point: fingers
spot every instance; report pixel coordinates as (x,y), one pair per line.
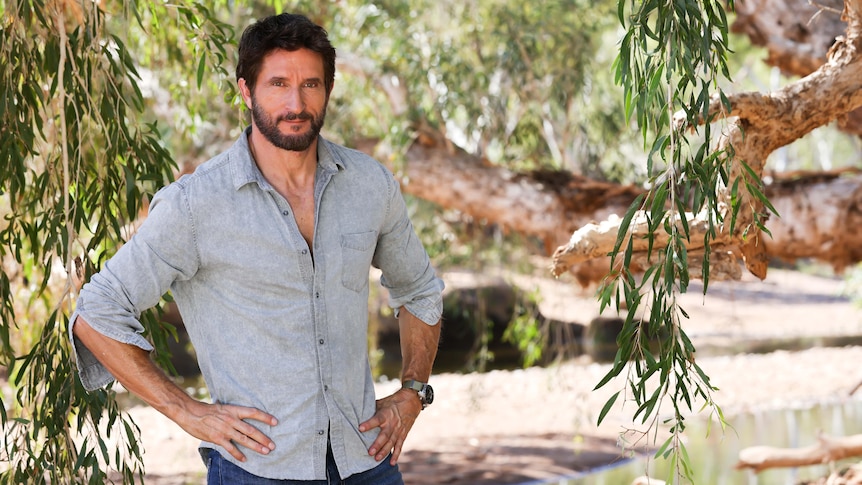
(254,435)
(236,430)
(396,452)
(225,426)
(233,450)
(385,441)
(395,418)
(253,413)
(388,443)
(372,423)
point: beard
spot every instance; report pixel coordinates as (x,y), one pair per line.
(268,126)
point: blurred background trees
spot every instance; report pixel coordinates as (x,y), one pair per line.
(502,118)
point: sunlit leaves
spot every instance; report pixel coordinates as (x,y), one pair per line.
(671,59)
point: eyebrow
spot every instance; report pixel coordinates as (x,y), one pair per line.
(306,80)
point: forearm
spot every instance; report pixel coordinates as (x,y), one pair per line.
(396,413)
(419,343)
(132,367)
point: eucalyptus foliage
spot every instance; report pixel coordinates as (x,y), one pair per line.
(672,58)
(521,83)
(78,160)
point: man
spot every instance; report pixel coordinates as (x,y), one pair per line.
(266,249)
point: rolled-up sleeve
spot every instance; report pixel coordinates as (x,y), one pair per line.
(407,271)
(142,271)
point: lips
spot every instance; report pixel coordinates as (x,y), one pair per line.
(296,117)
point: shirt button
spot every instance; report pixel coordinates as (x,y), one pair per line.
(317,294)
(320,432)
(285,213)
(305,251)
(325,388)
(320,341)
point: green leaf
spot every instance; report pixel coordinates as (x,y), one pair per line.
(626,222)
(615,371)
(83,454)
(607,407)
(683,219)
(201,70)
(664,449)
(728,107)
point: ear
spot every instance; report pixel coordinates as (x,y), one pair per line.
(245,92)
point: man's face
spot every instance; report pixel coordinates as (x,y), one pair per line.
(288,105)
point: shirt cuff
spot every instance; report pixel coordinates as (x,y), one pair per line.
(92,373)
(429,310)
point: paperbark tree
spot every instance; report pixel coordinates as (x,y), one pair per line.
(818,212)
(761,123)
(723,187)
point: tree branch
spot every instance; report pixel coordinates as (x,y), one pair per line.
(766,122)
(390,83)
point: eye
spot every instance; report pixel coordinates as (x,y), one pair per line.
(278,83)
(311,84)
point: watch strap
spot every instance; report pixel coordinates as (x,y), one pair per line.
(423,390)
(413,384)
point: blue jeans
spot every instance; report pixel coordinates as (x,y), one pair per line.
(223,472)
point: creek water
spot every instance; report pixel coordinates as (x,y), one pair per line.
(714,453)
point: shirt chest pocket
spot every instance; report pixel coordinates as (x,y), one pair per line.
(357,249)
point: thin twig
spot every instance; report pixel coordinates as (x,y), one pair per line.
(820,9)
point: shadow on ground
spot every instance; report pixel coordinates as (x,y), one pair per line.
(507,459)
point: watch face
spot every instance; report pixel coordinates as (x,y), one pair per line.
(429,395)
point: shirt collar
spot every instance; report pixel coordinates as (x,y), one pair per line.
(245,171)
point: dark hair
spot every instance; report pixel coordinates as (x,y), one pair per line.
(286,31)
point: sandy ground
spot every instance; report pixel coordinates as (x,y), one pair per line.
(537,423)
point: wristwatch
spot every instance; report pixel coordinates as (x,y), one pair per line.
(426,392)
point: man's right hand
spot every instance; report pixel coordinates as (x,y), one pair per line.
(221,424)
(224,425)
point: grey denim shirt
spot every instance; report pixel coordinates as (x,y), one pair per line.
(273,328)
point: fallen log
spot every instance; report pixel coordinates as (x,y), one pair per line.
(828,449)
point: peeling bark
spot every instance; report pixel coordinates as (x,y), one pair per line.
(820,218)
(761,123)
(548,205)
(817,220)
(797,35)
(820,213)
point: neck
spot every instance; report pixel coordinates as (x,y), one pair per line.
(283,167)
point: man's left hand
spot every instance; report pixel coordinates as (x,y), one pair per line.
(395,416)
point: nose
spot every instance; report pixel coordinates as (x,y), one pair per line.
(293,100)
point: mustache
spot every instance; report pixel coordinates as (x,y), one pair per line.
(292,116)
